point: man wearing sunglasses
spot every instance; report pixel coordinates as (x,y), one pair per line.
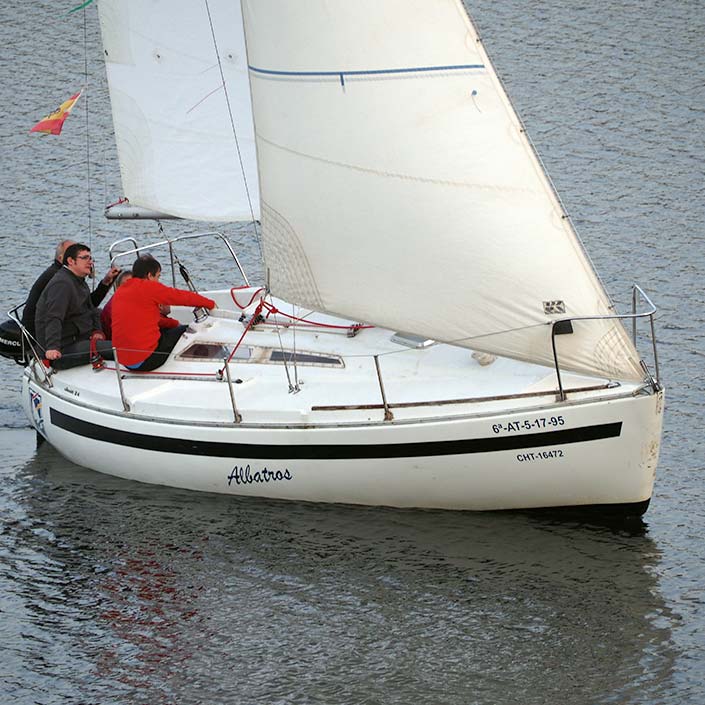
(66,317)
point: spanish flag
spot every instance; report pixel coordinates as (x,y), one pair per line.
(52,123)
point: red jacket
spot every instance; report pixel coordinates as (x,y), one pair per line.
(136,316)
(106,320)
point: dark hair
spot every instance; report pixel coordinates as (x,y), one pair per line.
(72,251)
(120,279)
(144,265)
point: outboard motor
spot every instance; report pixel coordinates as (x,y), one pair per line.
(11,342)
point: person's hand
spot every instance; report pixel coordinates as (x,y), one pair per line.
(98,335)
(109,278)
(52,354)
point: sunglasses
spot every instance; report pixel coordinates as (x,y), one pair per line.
(90,257)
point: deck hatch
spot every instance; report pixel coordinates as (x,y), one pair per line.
(305,358)
(202,350)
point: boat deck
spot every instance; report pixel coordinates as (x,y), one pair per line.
(335,382)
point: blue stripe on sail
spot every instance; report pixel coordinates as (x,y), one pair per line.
(371,72)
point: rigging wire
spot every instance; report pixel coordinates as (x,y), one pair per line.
(456,340)
(254,320)
(292,387)
(237,141)
(105,175)
(296,366)
(272,310)
(88,139)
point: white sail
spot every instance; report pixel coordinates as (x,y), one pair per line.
(398,187)
(179,151)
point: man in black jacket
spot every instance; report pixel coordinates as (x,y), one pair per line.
(66,317)
(30,307)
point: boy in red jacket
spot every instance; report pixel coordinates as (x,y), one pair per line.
(140,342)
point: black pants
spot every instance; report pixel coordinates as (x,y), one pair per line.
(167,340)
(79,353)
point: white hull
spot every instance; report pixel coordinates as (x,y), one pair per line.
(458,431)
(572,453)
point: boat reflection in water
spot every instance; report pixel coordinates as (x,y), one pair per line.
(122,590)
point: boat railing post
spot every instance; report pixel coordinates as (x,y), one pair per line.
(653,343)
(234,256)
(27,343)
(119,242)
(561,393)
(388,416)
(169,242)
(125,403)
(634,297)
(637,291)
(236,413)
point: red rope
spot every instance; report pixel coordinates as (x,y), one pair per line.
(254,317)
(271,309)
(117,203)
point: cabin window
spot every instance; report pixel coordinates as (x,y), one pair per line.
(201,351)
(305,358)
(213,351)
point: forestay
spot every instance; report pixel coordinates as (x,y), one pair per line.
(398,187)
(177,148)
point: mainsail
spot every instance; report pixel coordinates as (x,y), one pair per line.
(398,187)
(180,152)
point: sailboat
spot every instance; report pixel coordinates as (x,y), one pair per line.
(430,332)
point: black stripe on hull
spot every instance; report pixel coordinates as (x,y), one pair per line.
(217,449)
